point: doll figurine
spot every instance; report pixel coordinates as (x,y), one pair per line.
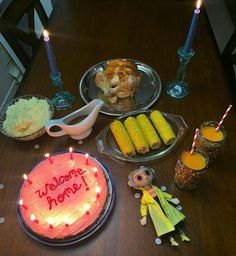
(165,217)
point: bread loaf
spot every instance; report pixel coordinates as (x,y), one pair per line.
(119,80)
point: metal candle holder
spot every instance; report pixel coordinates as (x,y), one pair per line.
(179,88)
(62,99)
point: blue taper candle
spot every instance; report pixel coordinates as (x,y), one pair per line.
(192,29)
(50,54)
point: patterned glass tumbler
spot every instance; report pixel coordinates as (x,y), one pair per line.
(210,140)
(189,169)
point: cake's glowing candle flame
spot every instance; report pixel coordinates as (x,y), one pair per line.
(66,221)
(50,222)
(49,158)
(71,153)
(198,5)
(26,178)
(86,208)
(33,218)
(21,202)
(95,169)
(86,159)
(97,190)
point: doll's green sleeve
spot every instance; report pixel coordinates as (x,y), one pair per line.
(166,195)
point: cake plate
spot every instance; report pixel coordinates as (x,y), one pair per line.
(92,229)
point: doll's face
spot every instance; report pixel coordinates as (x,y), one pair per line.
(143,178)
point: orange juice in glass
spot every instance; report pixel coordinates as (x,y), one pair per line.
(189,169)
(211,140)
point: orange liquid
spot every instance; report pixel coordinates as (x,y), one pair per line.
(193,161)
(211,134)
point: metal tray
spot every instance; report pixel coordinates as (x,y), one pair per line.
(145,95)
(107,145)
(91,230)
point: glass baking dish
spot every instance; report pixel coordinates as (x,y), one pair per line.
(107,145)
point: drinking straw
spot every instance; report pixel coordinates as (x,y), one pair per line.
(223,117)
(194,140)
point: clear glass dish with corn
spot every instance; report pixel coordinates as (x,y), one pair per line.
(141,135)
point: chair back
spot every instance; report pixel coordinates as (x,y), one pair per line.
(18,27)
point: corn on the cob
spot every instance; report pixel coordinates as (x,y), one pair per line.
(136,135)
(149,131)
(163,127)
(122,138)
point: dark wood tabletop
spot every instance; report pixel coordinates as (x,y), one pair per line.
(84,33)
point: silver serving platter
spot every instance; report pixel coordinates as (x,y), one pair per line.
(107,145)
(145,95)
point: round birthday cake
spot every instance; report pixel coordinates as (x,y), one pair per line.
(63,196)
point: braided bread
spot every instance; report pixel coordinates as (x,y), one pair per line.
(118,80)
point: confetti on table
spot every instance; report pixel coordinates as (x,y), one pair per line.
(179,207)
(36,146)
(137,195)
(2,220)
(1,186)
(163,188)
(158,241)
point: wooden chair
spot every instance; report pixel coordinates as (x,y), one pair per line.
(222,16)
(23,42)
(229,56)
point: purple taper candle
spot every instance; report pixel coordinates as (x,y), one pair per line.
(50,54)
(192,28)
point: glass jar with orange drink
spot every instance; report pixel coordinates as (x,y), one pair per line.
(189,168)
(211,140)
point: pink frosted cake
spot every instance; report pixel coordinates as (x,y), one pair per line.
(63,196)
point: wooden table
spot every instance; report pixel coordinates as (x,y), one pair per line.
(84,33)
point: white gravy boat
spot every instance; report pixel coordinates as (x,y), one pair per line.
(80,130)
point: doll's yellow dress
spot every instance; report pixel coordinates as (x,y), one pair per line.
(163,222)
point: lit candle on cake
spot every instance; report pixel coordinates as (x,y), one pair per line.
(49,158)
(86,159)
(50,222)
(66,221)
(97,190)
(86,208)
(26,178)
(95,169)
(71,153)
(33,218)
(50,54)
(193,27)
(21,202)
